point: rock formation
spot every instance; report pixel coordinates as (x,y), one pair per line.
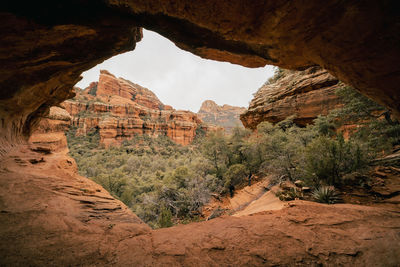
(302,94)
(50,216)
(119,109)
(49,135)
(45,46)
(225,116)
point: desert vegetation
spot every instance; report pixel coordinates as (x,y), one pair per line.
(165,183)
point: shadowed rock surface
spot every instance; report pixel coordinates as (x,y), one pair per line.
(49,135)
(46,45)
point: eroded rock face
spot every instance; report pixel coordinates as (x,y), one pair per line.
(109,85)
(119,109)
(49,135)
(46,45)
(302,94)
(225,116)
(355,41)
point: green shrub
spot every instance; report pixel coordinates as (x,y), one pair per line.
(291,194)
(328,159)
(235,175)
(164,182)
(325,194)
(165,218)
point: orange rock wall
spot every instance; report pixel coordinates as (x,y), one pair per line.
(49,134)
(120,109)
(302,94)
(225,116)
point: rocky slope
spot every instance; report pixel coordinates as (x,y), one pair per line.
(302,94)
(259,194)
(56,217)
(225,116)
(119,109)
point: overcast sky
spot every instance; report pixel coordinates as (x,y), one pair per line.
(179,78)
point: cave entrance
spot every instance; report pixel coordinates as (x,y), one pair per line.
(151,146)
(142,124)
(180,78)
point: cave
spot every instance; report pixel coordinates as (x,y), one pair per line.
(49,216)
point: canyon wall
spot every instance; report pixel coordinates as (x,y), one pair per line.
(225,116)
(302,94)
(120,109)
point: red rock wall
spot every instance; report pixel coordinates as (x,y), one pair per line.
(302,94)
(225,116)
(109,85)
(49,135)
(120,109)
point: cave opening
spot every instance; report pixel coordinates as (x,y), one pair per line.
(47,208)
(173,166)
(181,91)
(179,78)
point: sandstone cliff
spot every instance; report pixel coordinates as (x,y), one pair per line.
(302,94)
(119,109)
(225,116)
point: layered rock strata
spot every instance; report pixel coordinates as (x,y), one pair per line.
(49,135)
(120,109)
(302,94)
(45,46)
(225,116)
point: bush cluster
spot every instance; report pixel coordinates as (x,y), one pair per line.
(165,183)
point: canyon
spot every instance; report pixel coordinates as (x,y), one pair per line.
(120,109)
(67,212)
(49,215)
(225,116)
(55,216)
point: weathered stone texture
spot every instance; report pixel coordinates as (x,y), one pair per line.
(302,94)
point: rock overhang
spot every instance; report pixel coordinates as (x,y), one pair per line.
(45,46)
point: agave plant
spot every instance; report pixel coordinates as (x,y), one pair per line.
(325,194)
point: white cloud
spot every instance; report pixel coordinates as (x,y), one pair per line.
(179,78)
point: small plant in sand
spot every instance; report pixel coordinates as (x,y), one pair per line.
(325,194)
